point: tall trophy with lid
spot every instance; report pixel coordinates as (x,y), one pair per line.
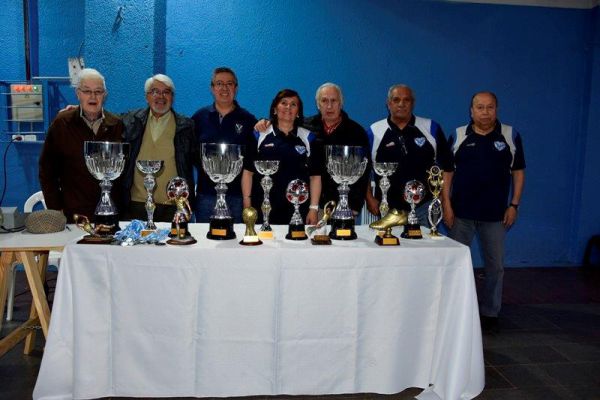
(266,168)
(105,161)
(222,162)
(345,164)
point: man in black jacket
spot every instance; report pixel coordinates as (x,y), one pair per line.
(333,127)
(158,133)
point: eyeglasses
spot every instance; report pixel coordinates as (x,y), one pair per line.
(158,92)
(221,84)
(88,92)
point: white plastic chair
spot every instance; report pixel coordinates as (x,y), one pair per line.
(53,256)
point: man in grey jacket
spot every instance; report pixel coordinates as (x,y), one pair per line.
(158,133)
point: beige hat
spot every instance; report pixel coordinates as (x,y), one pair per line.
(45,221)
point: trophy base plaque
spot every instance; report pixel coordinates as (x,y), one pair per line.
(182,242)
(250,241)
(412,231)
(342,229)
(183,227)
(221,229)
(266,235)
(386,239)
(321,240)
(89,239)
(296,232)
(435,235)
(106,225)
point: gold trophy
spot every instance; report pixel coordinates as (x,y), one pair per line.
(320,231)
(178,193)
(249,216)
(434,212)
(392,218)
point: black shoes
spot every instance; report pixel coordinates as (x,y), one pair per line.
(489,324)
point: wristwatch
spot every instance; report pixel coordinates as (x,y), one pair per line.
(314,207)
(515,206)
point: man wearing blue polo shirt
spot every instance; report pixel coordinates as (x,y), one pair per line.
(488,160)
(224,121)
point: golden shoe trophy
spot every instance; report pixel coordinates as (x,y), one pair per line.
(434,211)
(249,216)
(393,218)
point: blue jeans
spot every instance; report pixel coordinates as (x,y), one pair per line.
(206,203)
(491,239)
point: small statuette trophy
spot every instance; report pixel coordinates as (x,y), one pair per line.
(222,162)
(249,216)
(178,192)
(435,213)
(392,218)
(384,169)
(345,164)
(320,229)
(105,161)
(414,191)
(266,168)
(149,167)
(296,193)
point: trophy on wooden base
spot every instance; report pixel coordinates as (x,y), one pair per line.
(345,164)
(414,191)
(105,161)
(296,193)
(222,162)
(178,192)
(392,218)
(249,217)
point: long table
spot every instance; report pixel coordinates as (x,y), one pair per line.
(220,319)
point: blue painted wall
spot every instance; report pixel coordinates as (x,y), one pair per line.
(542,62)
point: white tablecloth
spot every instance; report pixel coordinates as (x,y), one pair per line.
(220,319)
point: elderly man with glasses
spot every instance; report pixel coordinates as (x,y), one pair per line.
(157,132)
(224,121)
(65,180)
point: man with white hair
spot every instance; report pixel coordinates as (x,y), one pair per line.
(333,127)
(65,180)
(158,133)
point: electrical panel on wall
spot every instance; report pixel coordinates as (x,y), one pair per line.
(26,103)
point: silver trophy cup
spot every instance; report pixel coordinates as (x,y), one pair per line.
(345,164)
(222,162)
(266,168)
(384,170)
(149,168)
(105,161)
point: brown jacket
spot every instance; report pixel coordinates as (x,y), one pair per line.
(65,180)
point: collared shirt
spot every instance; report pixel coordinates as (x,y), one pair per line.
(235,127)
(157,125)
(483,174)
(93,125)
